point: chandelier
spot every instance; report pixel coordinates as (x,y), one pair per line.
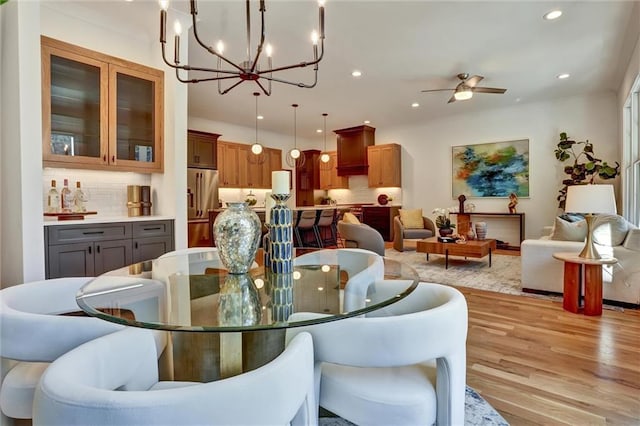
(248,69)
(295,157)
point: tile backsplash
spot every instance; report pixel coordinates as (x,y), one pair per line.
(106,191)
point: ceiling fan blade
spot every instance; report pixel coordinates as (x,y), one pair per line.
(452,99)
(472,81)
(488,90)
(436,90)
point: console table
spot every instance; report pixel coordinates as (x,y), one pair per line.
(464,219)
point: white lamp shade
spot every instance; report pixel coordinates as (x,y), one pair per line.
(590,199)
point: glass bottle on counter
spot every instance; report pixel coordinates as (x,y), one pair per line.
(53,199)
(79,198)
(66,198)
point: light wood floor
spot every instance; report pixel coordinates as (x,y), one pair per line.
(538,364)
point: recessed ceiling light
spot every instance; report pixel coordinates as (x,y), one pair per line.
(366,122)
(563,76)
(356,73)
(318,130)
(554,14)
(415,105)
(260,117)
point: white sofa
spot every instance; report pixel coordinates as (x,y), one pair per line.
(621,282)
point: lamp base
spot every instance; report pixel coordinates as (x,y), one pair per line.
(589,251)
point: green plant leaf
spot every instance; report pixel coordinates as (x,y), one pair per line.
(565,144)
(563,136)
(590,165)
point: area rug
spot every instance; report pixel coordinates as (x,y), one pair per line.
(477,412)
(503,276)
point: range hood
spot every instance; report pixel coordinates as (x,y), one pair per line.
(352,149)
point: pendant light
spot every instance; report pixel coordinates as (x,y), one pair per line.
(257,150)
(325,158)
(295,157)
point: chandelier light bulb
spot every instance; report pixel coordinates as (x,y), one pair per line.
(321,3)
(177,27)
(314,37)
(269,50)
(164,4)
(220,47)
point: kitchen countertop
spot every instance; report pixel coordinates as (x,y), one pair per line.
(103,219)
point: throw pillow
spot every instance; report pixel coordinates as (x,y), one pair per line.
(569,231)
(572,217)
(411,219)
(632,242)
(609,230)
(350,218)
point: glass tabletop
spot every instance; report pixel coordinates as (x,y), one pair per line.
(193,292)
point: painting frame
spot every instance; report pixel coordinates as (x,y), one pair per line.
(491,169)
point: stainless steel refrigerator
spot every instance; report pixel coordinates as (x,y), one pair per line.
(202,192)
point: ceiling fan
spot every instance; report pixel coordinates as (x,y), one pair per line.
(467,87)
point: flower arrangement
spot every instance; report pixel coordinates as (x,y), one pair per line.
(442,218)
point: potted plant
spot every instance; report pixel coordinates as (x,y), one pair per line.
(443,222)
(586,166)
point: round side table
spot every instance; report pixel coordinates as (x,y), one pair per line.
(578,271)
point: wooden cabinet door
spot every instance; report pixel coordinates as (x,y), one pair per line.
(110,255)
(202,149)
(70,260)
(74,107)
(228,170)
(326,173)
(273,163)
(384,166)
(337,182)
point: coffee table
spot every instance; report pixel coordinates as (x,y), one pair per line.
(471,248)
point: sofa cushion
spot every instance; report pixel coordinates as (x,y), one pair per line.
(411,219)
(609,230)
(350,218)
(569,231)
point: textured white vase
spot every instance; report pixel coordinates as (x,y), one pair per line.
(481,230)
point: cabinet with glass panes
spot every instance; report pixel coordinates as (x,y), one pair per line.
(100,112)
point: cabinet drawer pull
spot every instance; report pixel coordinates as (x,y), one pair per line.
(104,158)
(135,245)
(113,158)
(89,249)
(97,249)
(152,229)
(93,233)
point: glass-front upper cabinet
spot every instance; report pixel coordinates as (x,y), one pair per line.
(100,112)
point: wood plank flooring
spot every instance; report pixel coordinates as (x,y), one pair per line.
(538,364)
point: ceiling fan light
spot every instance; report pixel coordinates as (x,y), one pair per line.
(463,95)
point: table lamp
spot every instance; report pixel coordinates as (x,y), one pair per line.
(588,200)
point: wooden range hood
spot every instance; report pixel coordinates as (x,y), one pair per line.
(352,149)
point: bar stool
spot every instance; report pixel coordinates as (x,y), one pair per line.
(326,225)
(305,225)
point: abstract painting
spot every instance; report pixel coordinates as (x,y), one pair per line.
(491,169)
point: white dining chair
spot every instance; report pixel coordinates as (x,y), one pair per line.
(404,365)
(363,268)
(33,332)
(97,385)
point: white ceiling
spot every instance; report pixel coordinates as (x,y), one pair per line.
(403,47)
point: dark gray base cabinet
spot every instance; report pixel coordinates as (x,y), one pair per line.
(91,250)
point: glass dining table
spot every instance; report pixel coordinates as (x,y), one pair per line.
(223,324)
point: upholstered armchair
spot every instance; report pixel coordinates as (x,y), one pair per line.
(361,236)
(402,232)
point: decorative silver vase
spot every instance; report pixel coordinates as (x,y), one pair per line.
(281,236)
(239,301)
(237,234)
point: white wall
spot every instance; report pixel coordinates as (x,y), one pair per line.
(427,163)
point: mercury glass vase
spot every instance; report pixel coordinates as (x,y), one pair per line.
(237,233)
(281,235)
(239,301)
